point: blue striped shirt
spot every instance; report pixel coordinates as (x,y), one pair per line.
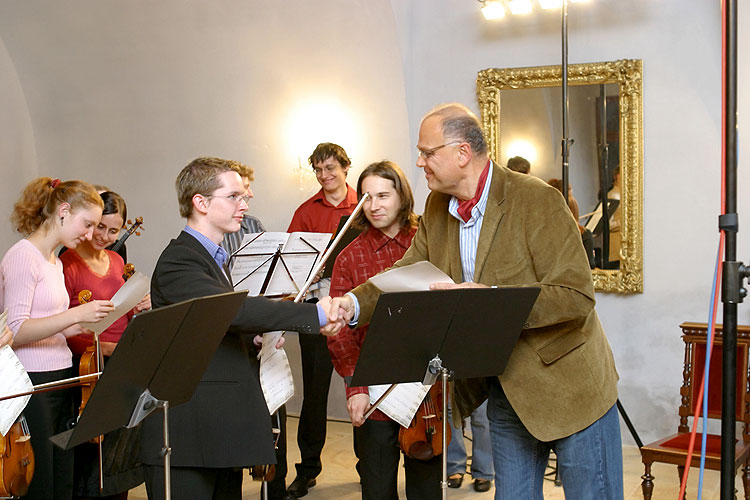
(215,251)
(468,235)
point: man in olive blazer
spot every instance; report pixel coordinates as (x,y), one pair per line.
(226,425)
(485,225)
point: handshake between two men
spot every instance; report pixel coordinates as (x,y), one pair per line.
(341,310)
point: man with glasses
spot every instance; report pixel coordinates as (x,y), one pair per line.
(225,426)
(319,214)
(486,225)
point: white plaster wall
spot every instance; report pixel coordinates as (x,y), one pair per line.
(127,93)
(17,154)
(448,42)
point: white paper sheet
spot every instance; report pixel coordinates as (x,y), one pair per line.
(253,261)
(414,278)
(402,404)
(275,373)
(13,380)
(124,300)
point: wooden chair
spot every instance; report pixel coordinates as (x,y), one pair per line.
(673,449)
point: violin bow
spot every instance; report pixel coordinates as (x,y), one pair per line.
(331,248)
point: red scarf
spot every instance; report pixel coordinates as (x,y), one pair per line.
(465,207)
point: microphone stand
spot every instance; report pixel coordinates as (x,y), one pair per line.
(733,272)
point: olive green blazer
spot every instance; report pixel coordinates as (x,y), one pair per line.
(561,375)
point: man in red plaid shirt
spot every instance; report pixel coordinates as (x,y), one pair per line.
(388,222)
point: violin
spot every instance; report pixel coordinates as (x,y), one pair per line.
(423,439)
(267,472)
(89,364)
(132,229)
(16,460)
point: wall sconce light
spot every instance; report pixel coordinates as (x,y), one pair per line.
(493,9)
(496,9)
(519,6)
(550,4)
(312,121)
(523,148)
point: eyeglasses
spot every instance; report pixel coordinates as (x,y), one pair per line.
(329,169)
(234,198)
(429,153)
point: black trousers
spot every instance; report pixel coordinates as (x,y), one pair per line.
(379,454)
(49,413)
(194,483)
(316,379)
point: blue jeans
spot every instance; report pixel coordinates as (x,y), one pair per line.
(481,448)
(589,461)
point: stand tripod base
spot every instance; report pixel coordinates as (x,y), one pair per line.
(147,404)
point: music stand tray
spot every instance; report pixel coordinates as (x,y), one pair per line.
(472,330)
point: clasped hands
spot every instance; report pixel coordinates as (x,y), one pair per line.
(341,309)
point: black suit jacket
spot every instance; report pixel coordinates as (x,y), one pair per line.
(226,423)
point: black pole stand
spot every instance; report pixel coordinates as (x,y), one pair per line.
(733,272)
(630,425)
(566,142)
(435,368)
(604,178)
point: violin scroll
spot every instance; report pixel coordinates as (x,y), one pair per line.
(128,271)
(85,296)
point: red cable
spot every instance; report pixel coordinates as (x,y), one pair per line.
(721,245)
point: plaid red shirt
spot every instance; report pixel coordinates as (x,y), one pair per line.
(371,252)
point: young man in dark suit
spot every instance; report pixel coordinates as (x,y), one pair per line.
(225,427)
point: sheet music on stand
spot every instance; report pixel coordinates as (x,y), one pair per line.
(288,257)
(594,221)
(13,379)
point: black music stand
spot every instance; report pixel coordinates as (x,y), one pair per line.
(274,258)
(460,333)
(158,363)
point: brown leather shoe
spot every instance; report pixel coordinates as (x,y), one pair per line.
(455,480)
(482,485)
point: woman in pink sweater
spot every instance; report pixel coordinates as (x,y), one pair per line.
(49,213)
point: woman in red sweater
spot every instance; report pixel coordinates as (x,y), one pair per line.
(90,266)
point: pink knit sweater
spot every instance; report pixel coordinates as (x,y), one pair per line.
(32,287)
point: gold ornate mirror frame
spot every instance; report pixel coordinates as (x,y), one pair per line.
(627,73)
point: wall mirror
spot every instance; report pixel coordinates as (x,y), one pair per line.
(521,112)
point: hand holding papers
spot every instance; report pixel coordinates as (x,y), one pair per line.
(414,278)
(402,403)
(13,380)
(275,373)
(276,263)
(124,300)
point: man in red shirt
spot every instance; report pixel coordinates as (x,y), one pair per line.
(319,214)
(388,222)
